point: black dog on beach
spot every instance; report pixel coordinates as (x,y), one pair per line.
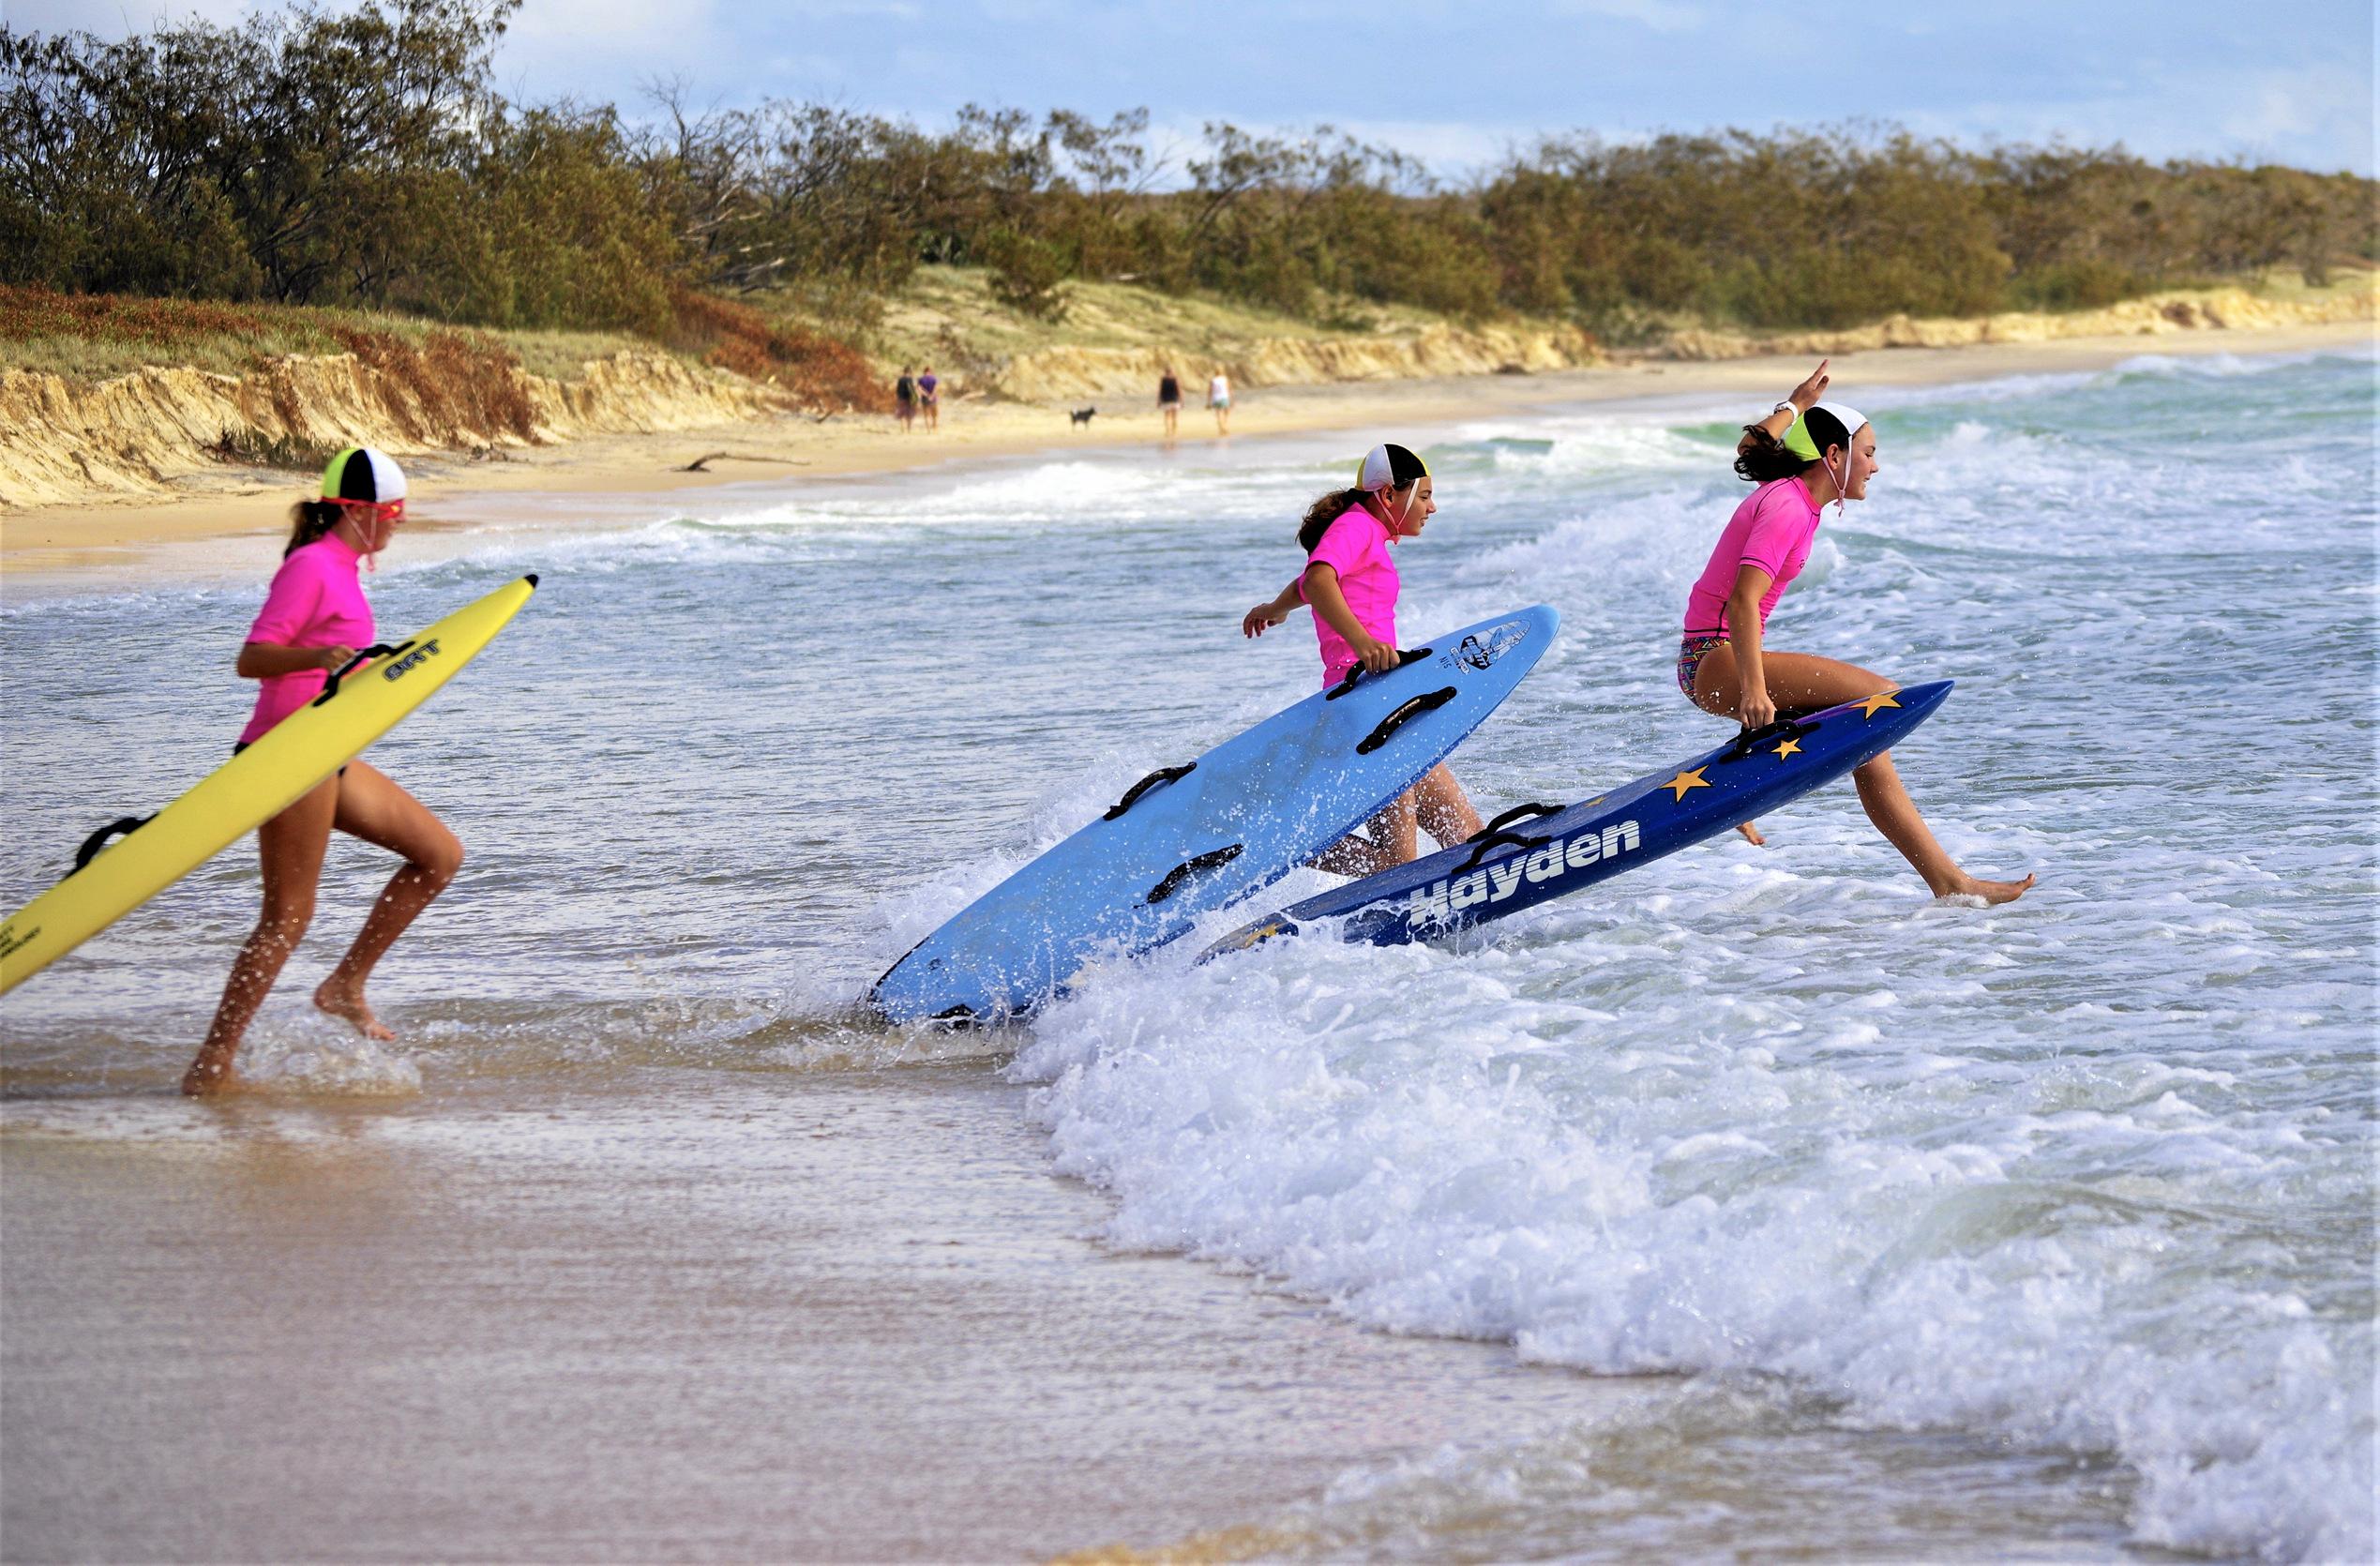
(1082,415)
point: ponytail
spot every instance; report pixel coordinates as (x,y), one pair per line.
(1763,458)
(1325,510)
(308,520)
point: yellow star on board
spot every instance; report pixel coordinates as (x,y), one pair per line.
(1685,780)
(1874,703)
(1787,747)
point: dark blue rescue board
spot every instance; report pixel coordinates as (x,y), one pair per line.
(1534,853)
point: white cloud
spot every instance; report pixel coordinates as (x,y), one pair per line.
(2321,115)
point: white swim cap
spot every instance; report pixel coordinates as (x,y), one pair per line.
(1388,467)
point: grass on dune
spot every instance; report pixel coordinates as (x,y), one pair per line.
(91,336)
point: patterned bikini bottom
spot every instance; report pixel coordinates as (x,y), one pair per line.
(1691,652)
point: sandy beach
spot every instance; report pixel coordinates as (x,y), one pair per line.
(244,501)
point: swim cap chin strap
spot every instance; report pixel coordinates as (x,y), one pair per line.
(1391,467)
(1826,424)
(366,476)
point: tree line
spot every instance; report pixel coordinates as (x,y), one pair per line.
(363,158)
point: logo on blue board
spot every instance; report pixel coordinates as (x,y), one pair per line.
(1480,651)
(1442,904)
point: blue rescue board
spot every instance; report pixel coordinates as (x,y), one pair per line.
(1534,853)
(1188,840)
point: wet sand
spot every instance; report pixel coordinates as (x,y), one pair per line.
(831,1316)
(798,1315)
(243,502)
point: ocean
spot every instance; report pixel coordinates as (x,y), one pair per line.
(1752,1201)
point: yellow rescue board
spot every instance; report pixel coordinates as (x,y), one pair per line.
(358,707)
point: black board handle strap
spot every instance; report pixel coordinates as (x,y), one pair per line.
(1522,813)
(377,650)
(1495,839)
(1132,795)
(1212,859)
(1783,729)
(1346,681)
(123,826)
(1427,702)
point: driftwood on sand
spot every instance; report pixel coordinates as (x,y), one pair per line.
(701,464)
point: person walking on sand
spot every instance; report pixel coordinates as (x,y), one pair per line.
(1219,399)
(929,399)
(1351,583)
(1804,456)
(315,617)
(1169,400)
(905,399)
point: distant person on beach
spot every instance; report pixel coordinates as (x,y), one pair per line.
(1806,454)
(929,399)
(1219,399)
(315,618)
(1351,583)
(1169,400)
(905,399)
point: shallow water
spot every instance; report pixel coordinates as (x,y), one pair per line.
(2044,1229)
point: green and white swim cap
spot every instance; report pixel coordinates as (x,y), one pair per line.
(1388,467)
(1825,424)
(363,472)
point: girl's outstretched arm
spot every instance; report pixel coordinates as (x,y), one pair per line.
(1272,612)
(1803,398)
(1322,591)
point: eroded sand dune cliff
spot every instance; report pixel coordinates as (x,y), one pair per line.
(2220,310)
(1061,374)
(136,433)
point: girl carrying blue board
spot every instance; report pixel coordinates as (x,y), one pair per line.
(1351,583)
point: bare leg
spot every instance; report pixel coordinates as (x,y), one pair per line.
(1751,830)
(1800,683)
(290,847)
(1444,809)
(381,813)
(1386,840)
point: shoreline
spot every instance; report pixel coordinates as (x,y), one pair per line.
(74,539)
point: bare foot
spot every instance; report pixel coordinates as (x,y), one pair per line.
(1989,892)
(1751,831)
(207,1077)
(350,1007)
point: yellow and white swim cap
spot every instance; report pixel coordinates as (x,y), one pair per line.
(1825,424)
(363,472)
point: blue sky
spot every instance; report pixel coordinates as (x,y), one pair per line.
(1456,83)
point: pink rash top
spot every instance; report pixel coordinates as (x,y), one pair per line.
(1356,546)
(1773,530)
(316,601)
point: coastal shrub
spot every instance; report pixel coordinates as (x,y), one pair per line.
(1028,275)
(563,234)
(2085,283)
(814,371)
(253,448)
